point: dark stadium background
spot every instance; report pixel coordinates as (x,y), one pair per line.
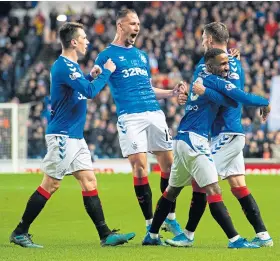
(170,34)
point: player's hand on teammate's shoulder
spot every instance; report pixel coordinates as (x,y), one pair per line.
(235,53)
(198,88)
(264,112)
(110,65)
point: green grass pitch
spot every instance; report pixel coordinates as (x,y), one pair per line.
(68,234)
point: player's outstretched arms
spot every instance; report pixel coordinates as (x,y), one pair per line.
(180,89)
(231,91)
(212,95)
(220,99)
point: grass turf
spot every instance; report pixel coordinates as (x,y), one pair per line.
(67,233)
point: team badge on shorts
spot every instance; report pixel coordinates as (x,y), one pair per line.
(134,145)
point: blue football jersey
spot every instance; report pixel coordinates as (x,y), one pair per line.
(130,84)
(228,119)
(70,90)
(231,91)
(201,111)
(197,118)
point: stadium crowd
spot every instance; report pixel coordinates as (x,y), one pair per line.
(171,35)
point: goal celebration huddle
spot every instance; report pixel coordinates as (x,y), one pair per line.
(208,144)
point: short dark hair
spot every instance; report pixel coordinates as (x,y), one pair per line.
(218,31)
(212,53)
(67,32)
(123,13)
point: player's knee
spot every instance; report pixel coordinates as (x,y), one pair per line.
(166,167)
(213,189)
(89,183)
(172,193)
(51,187)
(55,186)
(139,169)
(50,184)
(139,164)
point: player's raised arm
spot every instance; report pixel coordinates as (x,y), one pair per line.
(89,89)
(99,65)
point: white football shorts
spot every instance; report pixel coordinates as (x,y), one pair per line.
(192,160)
(143,132)
(227,151)
(65,156)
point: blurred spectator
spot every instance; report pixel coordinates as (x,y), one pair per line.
(266,151)
(53,24)
(276,146)
(253,151)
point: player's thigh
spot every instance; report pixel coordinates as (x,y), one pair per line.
(235,168)
(164,159)
(82,160)
(132,133)
(204,170)
(61,152)
(226,150)
(158,135)
(82,168)
(192,160)
(180,174)
(202,165)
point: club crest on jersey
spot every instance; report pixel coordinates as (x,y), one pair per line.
(75,75)
(230,86)
(233,76)
(143,58)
